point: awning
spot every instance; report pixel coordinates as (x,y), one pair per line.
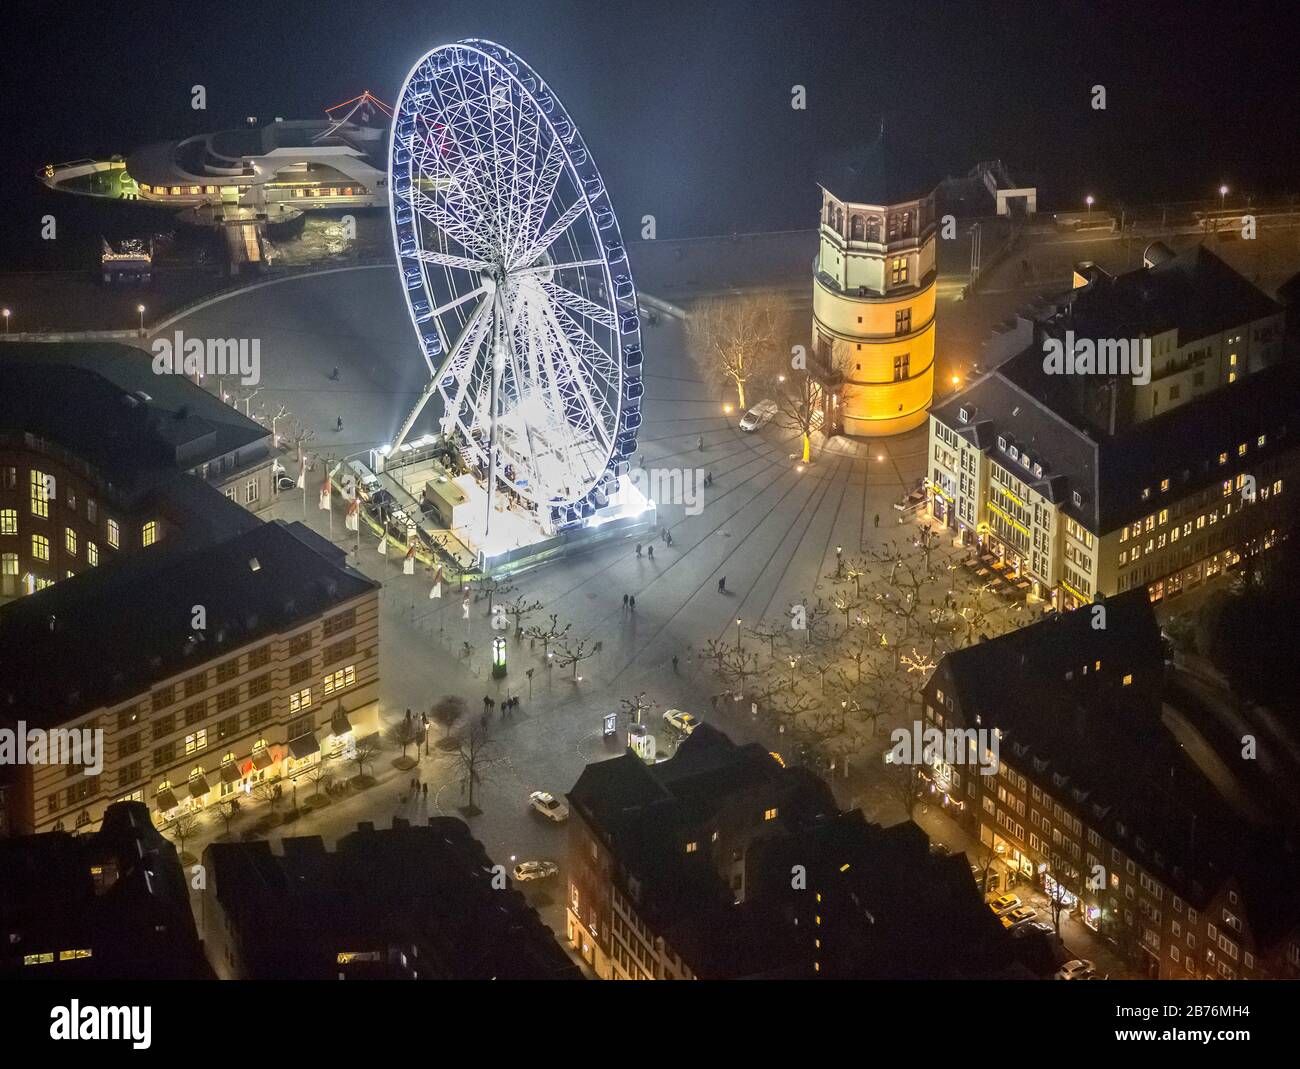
(304,746)
(230,773)
(262,758)
(166,800)
(339,723)
(199,786)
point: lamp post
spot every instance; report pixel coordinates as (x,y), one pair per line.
(1088,201)
(6,313)
(140,309)
(738,634)
(498,657)
(1223,196)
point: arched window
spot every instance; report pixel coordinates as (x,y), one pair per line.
(839,220)
(830,213)
(905,225)
(856,228)
(873,229)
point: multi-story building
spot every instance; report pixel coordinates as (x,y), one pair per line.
(94,453)
(1092,484)
(203,671)
(1113,801)
(874,300)
(720,863)
(114,905)
(417,902)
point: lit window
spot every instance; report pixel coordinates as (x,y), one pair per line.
(769,814)
(40,547)
(70,540)
(692,847)
(1164,485)
(42,493)
(1259,442)
(300,700)
(10,564)
(197,741)
(8,521)
(1223,458)
(114,534)
(1128,679)
(1241,450)
(1164,516)
(149,533)
(92,554)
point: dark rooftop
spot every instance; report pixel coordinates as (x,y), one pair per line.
(422,891)
(883,172)
(64,651)
(103,403)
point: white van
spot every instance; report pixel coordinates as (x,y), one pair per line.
(758,415)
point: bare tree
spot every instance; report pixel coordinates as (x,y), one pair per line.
(404,733)
(769,631)
(733,340)
(573,654)
(446,711)
(227,809)
(548,633)
(493,588)
(636,705)
(799,407)
(363,753)
(268,791)
(475,758)
(518,609)
(184,827)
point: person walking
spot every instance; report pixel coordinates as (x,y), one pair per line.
(631,603)
(650,551)
(668,537)
(722,585)
(699,445)
(674,664)
(625,601)
(426,792)
(338,426)
(877,519)
(663,535)
(638,549)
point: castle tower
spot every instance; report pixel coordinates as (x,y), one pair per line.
(873,301)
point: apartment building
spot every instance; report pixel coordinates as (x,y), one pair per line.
(114,905)
(410,902)
(94,453)
(1093,486)
(1098,800)
(203,671)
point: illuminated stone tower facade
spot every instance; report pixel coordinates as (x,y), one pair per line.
(873,306)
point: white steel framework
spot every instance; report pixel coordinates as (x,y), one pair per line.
(516,280)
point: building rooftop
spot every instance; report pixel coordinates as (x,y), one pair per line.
(103,404)
(119,893)
(420,898)
(1107,748)
(884,172)
(64,651)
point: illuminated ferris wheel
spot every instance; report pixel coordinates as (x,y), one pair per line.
(516,280)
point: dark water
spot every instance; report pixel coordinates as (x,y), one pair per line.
(686,105)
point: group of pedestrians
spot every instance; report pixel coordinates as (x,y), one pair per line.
(629,602)
(650,551)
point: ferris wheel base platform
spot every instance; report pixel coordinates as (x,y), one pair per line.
(519,546)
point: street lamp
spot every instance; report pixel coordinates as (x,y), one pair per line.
(498,657)
(140,308)
(1088,201)
(6,313)
(1223,194)
(737,632)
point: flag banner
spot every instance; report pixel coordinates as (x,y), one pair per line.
(436,591)
(383,545)
(302,477)
(351,520)
(408,565)
(325,500)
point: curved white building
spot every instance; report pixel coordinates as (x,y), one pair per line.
(272,173)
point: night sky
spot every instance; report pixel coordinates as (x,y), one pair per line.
(686,105)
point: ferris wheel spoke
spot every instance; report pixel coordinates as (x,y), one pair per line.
(572,214)
(461,363)
(578,379)
(541,192)
(450,225)
(582,305)
(445,259)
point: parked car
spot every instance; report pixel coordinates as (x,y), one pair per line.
(1078,969)
(1019,915)
(549,806)
(683,722)
(758,415)
(1004,904)
(535,870)
(1021,930)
